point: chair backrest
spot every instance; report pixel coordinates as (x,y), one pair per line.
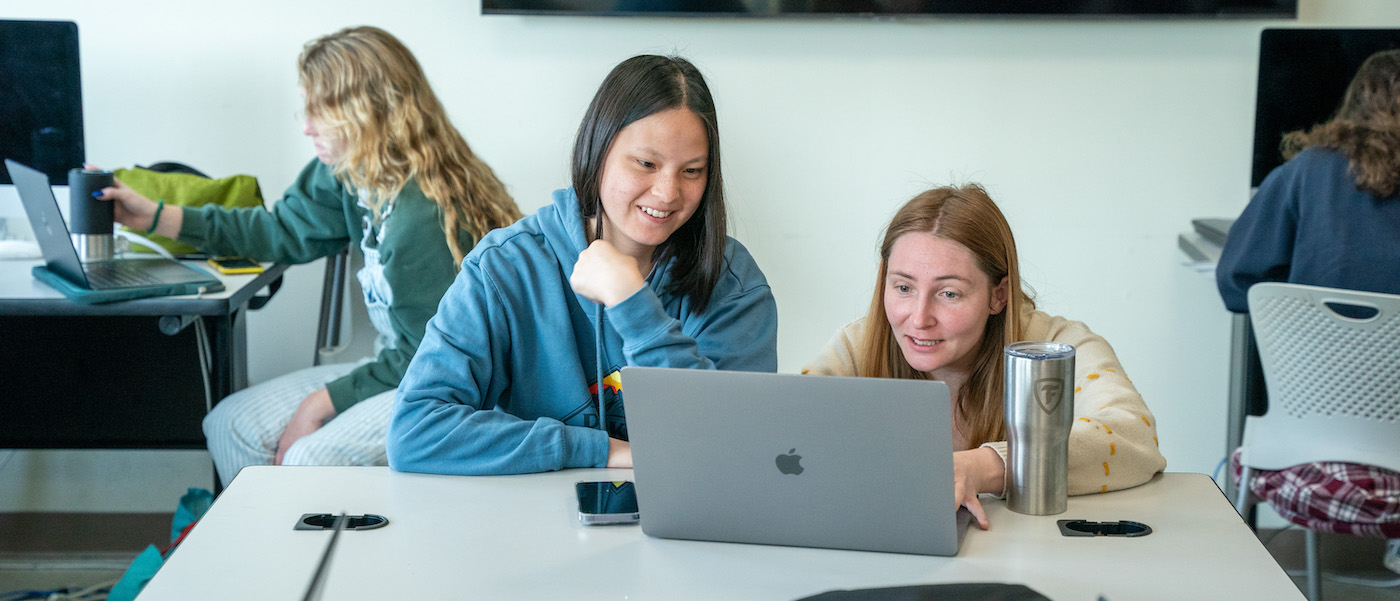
(1333,379)
(332,305)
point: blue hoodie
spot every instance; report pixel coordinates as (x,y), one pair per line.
(504,380)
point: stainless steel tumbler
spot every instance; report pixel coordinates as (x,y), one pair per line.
(1039,409)
(89,219)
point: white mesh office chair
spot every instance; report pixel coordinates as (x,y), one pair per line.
(1333,384)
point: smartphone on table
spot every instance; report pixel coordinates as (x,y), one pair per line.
(601,503)
(235,265)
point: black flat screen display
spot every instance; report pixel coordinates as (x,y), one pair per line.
(900,8)
(41,103)
(1303,74)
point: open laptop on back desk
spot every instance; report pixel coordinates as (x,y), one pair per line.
(96,281)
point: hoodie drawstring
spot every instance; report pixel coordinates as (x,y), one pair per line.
(598,348)
(602,410)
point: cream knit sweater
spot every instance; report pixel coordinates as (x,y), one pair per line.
(1113,444)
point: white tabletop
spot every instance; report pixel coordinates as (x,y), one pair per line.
(518,537)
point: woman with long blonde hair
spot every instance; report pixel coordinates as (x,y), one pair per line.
(948,298)
(391,177)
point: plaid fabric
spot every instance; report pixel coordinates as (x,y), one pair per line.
(1347,498)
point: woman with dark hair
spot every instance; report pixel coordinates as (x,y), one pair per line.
(948,298)
(1330,216)
(519,371)
(392,177)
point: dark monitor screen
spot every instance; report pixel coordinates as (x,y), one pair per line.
(1303,74)
(908,8)
(41,103)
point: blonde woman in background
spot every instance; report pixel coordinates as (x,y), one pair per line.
(948,298)
(392,177)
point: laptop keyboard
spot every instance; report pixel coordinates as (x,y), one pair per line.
(118,274)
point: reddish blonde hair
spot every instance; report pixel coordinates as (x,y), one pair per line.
(966,215)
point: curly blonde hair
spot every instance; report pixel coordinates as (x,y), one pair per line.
(968,216)
(1366,128)
(367,89)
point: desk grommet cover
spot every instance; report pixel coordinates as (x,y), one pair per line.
(326,521)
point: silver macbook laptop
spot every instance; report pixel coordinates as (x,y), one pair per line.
(98,281)
(809,461)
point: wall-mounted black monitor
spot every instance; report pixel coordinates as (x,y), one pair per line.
(901,8)
(1302,76)
(41,102)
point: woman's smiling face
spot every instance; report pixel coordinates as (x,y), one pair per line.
(653,178)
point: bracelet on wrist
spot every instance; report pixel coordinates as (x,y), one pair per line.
(155,219)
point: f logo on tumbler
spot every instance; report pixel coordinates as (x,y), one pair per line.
(1049,392)
(1037,431)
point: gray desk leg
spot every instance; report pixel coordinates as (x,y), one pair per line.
(1239,349)
(230,369)
(1247,389)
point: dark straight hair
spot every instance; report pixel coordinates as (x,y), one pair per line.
(637,88)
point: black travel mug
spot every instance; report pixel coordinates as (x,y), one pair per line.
(89,219)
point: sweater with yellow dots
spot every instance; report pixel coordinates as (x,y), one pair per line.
(1113,444)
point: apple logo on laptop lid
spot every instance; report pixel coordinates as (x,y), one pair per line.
(790,463)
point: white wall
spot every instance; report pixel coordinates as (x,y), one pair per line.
(1100,140)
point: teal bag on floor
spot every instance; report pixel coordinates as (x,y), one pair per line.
(141,571)
(192,506)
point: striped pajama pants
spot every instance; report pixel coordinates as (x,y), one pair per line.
(243,429)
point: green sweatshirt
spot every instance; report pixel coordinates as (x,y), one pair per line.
(316,218)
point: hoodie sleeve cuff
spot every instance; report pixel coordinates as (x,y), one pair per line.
(194,226)
(342,391)
(588,448)
(640,317)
